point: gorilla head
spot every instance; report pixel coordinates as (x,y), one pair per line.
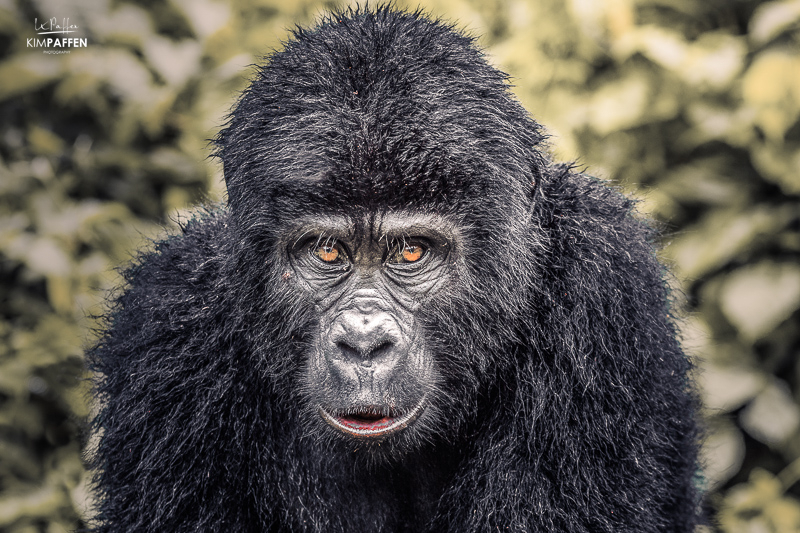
(383,168)
(407,318)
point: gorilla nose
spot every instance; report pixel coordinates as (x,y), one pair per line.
(364,353)
(365,337)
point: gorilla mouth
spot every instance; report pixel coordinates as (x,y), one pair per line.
(371,422)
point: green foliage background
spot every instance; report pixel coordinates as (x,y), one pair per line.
(691,105)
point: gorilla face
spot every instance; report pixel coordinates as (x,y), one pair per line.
(370,371)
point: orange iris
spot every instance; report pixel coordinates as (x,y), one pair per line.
(329,254)
(412,253)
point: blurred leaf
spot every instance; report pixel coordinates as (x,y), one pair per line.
(76,91)
(722,234)
(176,164)
(25,418)
(778,164)
(27,72)
(82,497)
(714,60)
(722,453)
(177,198)
(60,294)
(763,487)
(772,417)
(155,116)
(785,515)
(757,298)
(664,47)
(601,19)
(45,256)
(725,389)
(127,24)
(38,502)
(43,141)
(78,398)
(14,373)
(705,181)
(759,505)
(9,24)
(121,71)
(711,121)
(53,340)
(771,18)
(620,104)
(772,87)
(206,16)
(17,461)
(175,62)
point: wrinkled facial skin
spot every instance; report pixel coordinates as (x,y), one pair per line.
(369,374)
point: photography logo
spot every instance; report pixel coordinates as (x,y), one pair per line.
(54,36)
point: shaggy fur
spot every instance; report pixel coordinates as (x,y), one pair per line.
(565,404)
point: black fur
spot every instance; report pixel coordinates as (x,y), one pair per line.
(566,403)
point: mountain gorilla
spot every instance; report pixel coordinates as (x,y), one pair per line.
(406,318)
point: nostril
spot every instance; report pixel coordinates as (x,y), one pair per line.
(367,352)
(380,349)
(348,351)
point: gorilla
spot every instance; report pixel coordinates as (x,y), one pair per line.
(406,317)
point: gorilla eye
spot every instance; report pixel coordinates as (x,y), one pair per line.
(412,253)
(406,252)
(328,252)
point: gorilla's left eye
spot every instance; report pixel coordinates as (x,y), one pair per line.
(406,252)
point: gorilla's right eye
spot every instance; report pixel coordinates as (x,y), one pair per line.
(330,253)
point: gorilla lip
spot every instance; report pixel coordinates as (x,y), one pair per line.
(371,424)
